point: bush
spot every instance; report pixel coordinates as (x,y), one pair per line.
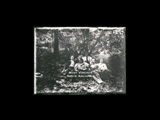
(116,66)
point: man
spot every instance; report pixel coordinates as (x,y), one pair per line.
(69,65)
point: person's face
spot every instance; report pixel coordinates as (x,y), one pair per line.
(72,57)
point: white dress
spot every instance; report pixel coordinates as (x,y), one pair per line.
(81,66)
(72,64)
(102,66)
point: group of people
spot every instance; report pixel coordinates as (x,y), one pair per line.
(83,63)
(77,61)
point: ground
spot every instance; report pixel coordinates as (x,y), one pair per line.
(78,87)
(57,83)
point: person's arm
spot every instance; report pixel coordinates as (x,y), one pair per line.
(104,67)
(75,67)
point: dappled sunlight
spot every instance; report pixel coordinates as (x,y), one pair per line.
(105,47)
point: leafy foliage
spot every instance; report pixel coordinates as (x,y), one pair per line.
(108,44)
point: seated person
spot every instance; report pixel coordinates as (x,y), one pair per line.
(85,65)
(93,65)
(102,66)
(82,65)
(70,64)
(103,70)
(94,69)
(78,59)
(87,60)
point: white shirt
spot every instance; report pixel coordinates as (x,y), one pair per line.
(72,63)
(102,66)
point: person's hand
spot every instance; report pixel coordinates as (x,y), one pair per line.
(63,70)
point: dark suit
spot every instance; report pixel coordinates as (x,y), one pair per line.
(67,54)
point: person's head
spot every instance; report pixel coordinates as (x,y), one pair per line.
(80,57)
(84,60)
(101,60)
(72,57)
(93,61)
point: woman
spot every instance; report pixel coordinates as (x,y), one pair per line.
(103,70)
(102,66)
(94,69)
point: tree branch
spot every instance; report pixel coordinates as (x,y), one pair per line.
(96,42)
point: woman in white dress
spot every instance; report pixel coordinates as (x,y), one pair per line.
(102,66)
(94,69)
(103,70)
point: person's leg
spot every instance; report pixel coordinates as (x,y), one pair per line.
(96,77)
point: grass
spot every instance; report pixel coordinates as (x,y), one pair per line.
(63,86)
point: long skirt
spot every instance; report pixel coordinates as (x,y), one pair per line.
(97,77)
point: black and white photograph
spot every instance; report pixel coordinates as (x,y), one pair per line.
(79,60)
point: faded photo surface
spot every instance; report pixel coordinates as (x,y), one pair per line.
(79,60)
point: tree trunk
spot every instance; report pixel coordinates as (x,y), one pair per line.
(52,43)
(86,36)
(56,47)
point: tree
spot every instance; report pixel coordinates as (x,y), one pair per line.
(56,47)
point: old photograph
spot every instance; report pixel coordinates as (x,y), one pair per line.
(79,60)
